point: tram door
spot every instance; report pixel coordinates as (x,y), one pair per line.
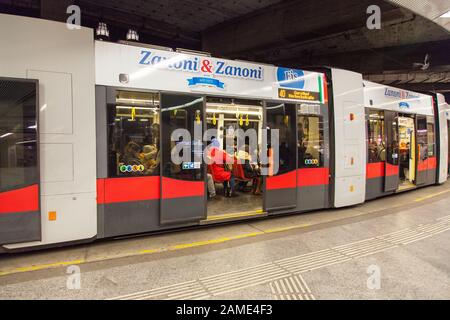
(20,217)
(407,151)
(391,181)
(183,189)
(281,183)
(422,149)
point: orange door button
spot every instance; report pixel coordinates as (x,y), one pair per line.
(352,116)
(352,161)
(52,216)
(352,188)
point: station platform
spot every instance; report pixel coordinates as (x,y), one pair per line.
(402,240)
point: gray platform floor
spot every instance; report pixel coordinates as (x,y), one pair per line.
(392,248)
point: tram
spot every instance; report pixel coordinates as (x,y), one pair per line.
(87,127)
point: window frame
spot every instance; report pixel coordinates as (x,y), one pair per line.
(431,121)
(111,102)
(293,132)
(322,159)
(37,179)
(202,170)
(368,111)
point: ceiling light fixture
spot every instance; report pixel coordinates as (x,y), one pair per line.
(132,35)
(102,32)
(6,135)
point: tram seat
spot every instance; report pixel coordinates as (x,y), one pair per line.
(238,172)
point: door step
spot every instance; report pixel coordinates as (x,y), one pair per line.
(234,217)
(406,186)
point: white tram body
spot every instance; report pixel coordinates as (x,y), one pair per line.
(73,181)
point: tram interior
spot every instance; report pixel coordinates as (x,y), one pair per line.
(133,129)
(407,144)
(240,160)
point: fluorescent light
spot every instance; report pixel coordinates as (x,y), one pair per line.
(138,101)
(25,142)
(446,15)
(244,112)
(137,108)
(6,135)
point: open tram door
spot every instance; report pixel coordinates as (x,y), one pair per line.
(183,189)
(407,151)
(392,179)
(233,138)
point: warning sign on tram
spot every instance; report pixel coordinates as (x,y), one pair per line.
(298,95)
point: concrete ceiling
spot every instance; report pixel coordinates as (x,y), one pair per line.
(294,33)
(191,15)
(430,9)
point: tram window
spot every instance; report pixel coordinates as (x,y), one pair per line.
(282,117)
(422,137)
(310,142)
(376,137)
(226,115)
(133,131)
(182,112)
(392,138)
(431,137)
(18,134)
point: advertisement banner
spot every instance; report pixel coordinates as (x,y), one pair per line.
(395,99)
(137,67)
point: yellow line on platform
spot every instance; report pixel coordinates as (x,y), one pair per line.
(42,266)
(431,196)
(179,246)
(151,251)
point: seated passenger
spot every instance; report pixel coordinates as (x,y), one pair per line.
(211,186)
(149,158)
(220,173)
(131,154)
(251,169)
(373,152)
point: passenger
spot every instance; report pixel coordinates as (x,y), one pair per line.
(382,152)
(211,186)
(149,158)
(284,154)
(131,154)
(251,169)
(301,133)
(373,152)
(219,168)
